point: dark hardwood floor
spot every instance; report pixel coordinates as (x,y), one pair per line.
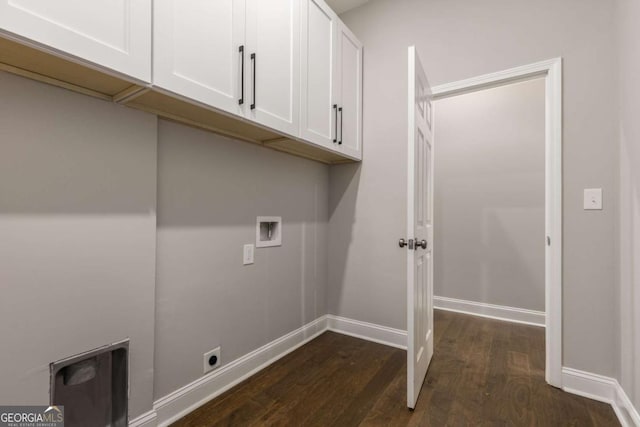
(484,372)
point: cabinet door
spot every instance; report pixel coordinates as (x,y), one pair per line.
(114,34)
(318,30)
(350,90)
(273,40)
(197,50)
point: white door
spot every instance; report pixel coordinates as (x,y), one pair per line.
(420,230)
(318,109)
(273,42)
(350,93)
(199,51)
(114,34)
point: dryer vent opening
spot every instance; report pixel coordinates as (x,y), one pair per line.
(93,387)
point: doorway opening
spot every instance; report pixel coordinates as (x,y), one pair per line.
(547,76)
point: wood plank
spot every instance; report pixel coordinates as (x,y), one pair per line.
(356,411)
(43,66)
(230,401)
(306,150)
(195,115)
(484,372)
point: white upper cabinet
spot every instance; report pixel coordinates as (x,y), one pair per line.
(240,56)
(349,81)
(331,81)
(318,109)
(199,51)
(273,43)
(283,73)
(115,34)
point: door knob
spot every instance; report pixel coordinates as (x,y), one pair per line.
(402,243)
(421,244)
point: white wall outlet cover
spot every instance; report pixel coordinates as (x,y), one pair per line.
(212,360)
(247,254)
(593,198)
(268,231)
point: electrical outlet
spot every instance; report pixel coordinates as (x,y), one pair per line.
(247,257)
(212,360)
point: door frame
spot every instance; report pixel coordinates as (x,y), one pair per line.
(551,70)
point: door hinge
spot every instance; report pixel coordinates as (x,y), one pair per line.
(548,241)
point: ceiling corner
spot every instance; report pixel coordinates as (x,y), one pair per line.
(342,6)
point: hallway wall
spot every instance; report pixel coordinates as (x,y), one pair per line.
(458,39)
(489,196)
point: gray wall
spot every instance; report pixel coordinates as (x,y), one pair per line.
(78,197)
(78,233)
(458,39)
(210,190)
(78,185)
(628,14)
(489,196)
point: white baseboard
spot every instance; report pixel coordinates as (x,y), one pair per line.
(368,331)
(603,389)
(186,399)
(175,405)
(491,311)
(179,403)
(148,419)
(630,413)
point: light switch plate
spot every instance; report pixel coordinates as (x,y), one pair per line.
(247,254)
(593,198)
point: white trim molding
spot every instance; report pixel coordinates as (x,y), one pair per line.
(148,419)
(179,403)
(491,311)
(551,70)
(368,331)
(629,416)
(499,78)
(603,389)
(174,406)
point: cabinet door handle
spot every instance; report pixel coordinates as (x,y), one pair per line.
(335,123)
(341,120)
(253,59)
(241,50)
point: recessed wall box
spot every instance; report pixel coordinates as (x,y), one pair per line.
(268,231)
